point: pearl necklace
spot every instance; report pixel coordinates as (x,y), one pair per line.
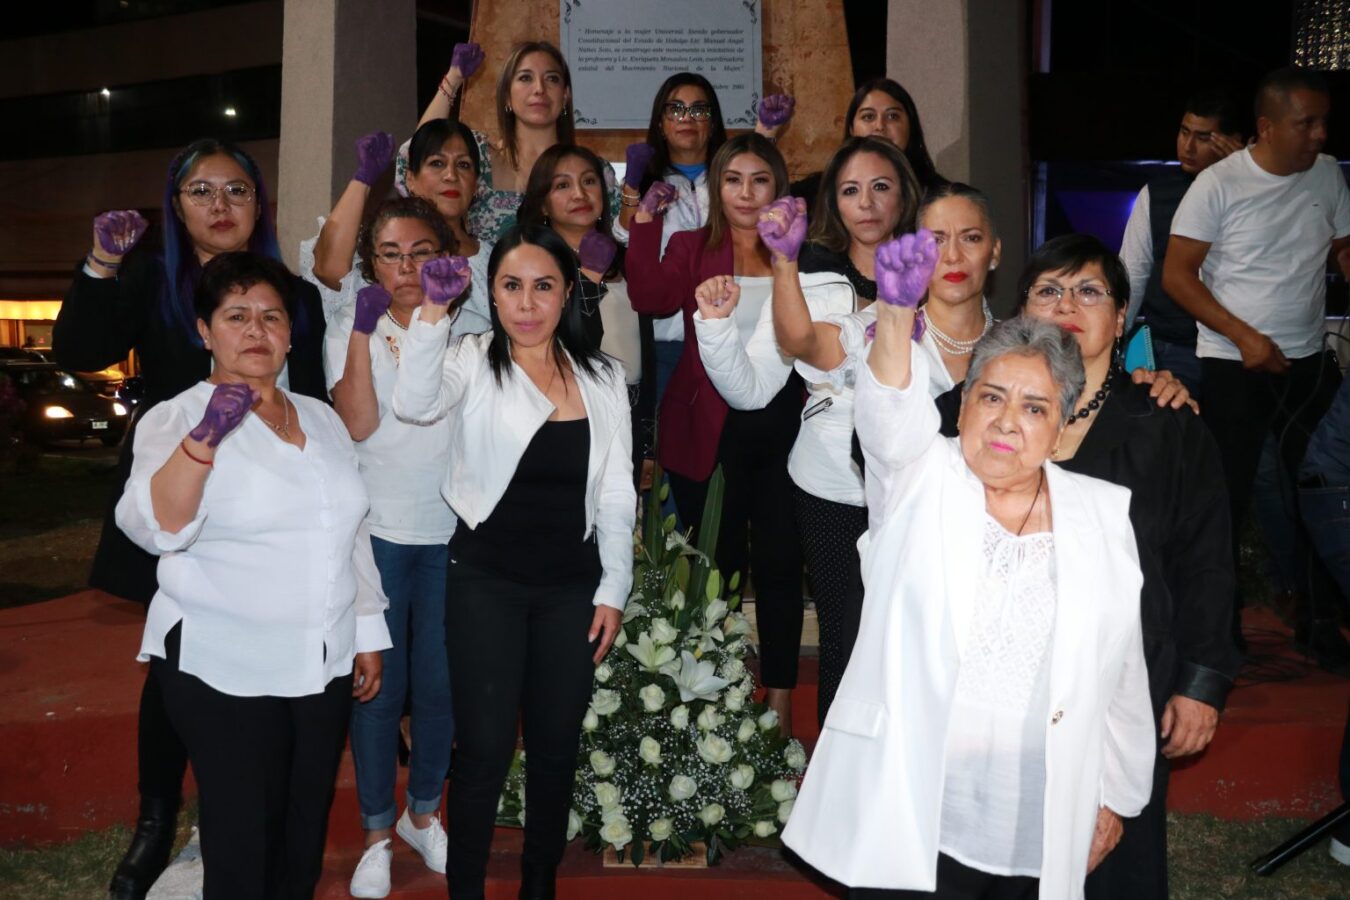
(953,347)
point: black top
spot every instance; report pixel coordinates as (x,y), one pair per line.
(534,535)
(1179,510)
(808,189)
(1168,321)
(104,319)
(815,258)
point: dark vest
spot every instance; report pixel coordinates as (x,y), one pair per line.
(1168,321)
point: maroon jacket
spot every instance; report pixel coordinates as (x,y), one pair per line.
(692,412)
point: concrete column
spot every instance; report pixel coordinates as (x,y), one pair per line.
(964,63)
(348,68)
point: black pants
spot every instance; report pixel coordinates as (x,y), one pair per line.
(758,531)
(960,882)
(515,649)
(829,535)
(1241,408)
(161,757)
(266,769)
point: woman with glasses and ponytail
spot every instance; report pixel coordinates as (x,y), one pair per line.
(129,297)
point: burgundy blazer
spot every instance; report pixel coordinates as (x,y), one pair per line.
(692,412)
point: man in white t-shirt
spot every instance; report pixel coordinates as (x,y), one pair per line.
(1248,257)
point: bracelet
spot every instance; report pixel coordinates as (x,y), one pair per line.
(104,263)
(182,445)
(449,94)
(631,203)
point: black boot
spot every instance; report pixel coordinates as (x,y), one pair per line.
(148,854)
(537,883)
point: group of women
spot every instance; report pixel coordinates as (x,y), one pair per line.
(491,342)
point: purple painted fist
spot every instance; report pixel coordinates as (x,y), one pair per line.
(373,153)
(445,278)
(637,157)
(597,251)
(117,232)
(467,58)
(371,302)
(776,110)
(227,407)
(658,198)
(904,267)
(782,226)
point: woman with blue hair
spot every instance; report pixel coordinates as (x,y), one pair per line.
(129,297)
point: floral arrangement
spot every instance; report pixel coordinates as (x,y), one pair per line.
(674,751)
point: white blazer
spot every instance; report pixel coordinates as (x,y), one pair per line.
(491,425)
(869,810)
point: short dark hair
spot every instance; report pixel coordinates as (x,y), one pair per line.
(1220,104)
(917,150)
(228,273)
(400,208)
(656,137)
(1276,86)
(828,228)
(431,136)
(1069,253)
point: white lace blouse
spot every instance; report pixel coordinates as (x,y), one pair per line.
(994,791)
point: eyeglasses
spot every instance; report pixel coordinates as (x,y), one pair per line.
(675,111)
(203,194)
(1050,294)
(419,257)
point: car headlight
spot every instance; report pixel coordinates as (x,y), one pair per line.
(119,409)
(57,412)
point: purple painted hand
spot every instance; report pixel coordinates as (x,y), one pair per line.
(775,110)
(467,58)
(445,278)
(597,251)
(658,198)
(637,157)
(782,226)
(904,267)
(116,232)
(371,302)
(227,407)
(373,153)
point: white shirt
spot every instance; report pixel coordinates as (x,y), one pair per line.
(688,212)
(1136,252)
(1269,237)
(402,464)
(853,338)
(263,578)
(993,794)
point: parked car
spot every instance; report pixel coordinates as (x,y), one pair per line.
(60,406)
(21,353)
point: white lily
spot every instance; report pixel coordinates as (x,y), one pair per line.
(714,612)
(632,610)
(697,679)
(649,655)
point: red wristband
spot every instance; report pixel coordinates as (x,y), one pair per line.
(182,445)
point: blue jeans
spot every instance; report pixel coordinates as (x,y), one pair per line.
(1181,361)
(1326,512)
(413,576)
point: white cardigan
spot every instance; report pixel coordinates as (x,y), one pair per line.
(491,425)
(869,809)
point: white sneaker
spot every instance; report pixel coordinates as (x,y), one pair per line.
(371,878)
(430,841)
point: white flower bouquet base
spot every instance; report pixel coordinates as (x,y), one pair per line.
(676,758)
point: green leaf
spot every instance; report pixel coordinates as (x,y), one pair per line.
(735,581)
(637,853)
(682,575)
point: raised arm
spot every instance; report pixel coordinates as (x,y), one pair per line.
(353,391)
(429,381)
(636,160)
(336,246)
(465,59)
(659,285)
(110,299)
(774,112)
(782,226)
(747,375)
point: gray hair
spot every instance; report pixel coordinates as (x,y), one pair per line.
(1030,336)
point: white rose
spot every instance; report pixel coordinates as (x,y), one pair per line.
(605,701)
(609,815)
(783,790)
(602,763)
(679,717)
(794,755)
(650,751)
(711,814)
(746,731)
(709,719)
(785,810)
(735,623)
(765,828)
(590,721)
(733,669)
(682,787)
(715,750)
(616,832)
(652,697)
(661,829)
(742,777)
(663,632)
(603,673)
(607,795)
(768,720)
(734,700)
(620,639)
(573,824)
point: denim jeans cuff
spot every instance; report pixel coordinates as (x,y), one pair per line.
(424,807)
(380,821)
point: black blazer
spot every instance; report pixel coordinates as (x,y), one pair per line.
(1179,509)
(104,319)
